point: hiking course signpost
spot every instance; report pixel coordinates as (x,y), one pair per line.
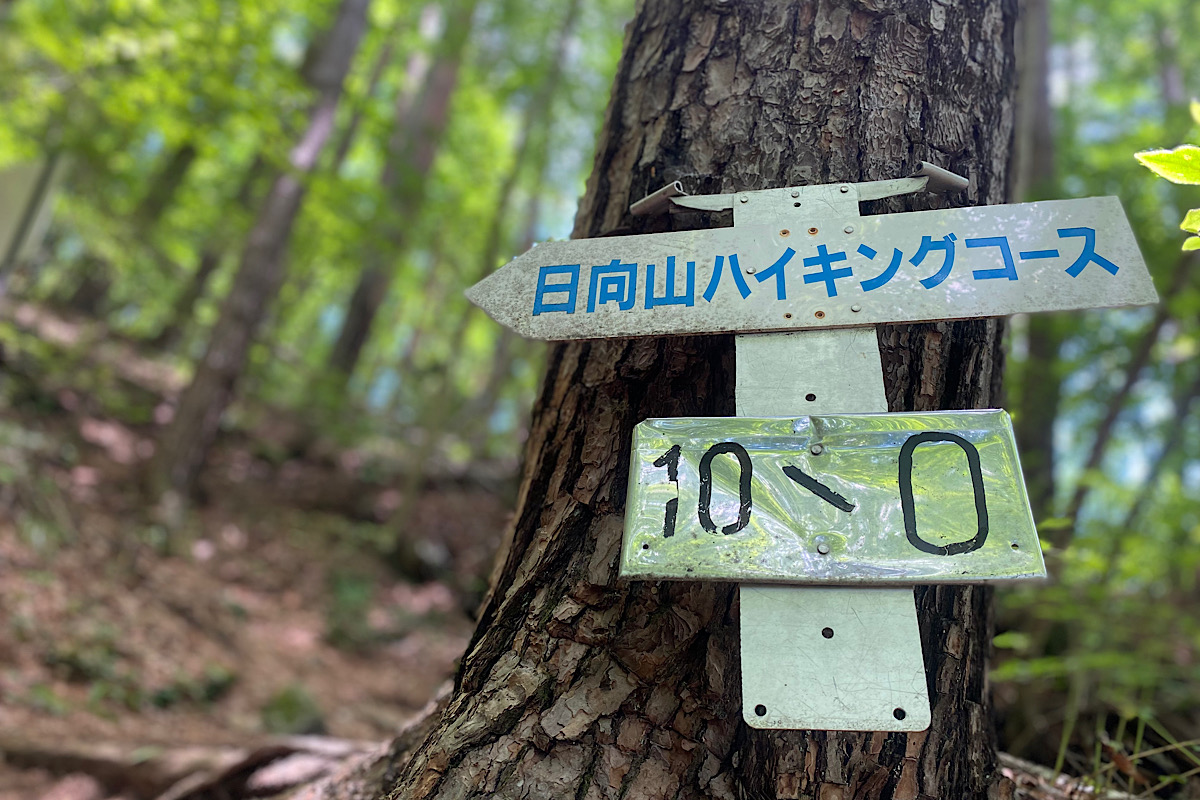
(825,508)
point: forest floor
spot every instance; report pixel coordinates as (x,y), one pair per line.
(265,610)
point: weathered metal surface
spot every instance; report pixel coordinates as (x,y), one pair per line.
(832,499)
(839,369)
(823,262)
(791,673)
(832,659)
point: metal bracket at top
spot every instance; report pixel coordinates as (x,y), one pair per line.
(842,198)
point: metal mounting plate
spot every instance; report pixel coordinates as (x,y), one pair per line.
(832,659)
(877,661)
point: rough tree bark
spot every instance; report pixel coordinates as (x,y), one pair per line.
(579,684)
(184,445)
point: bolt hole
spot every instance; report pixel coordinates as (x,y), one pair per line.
(810,397)
(827,633)
(760,709)
(1016,546)
(787,316)
(795,205)
(785,232)
(819,315)
(812,230)
(899,713)
(645,547)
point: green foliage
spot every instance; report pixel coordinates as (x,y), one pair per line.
(292,711)
(1181,165)
(346,623)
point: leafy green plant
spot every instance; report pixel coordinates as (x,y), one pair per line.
(292,710)
(1181,165)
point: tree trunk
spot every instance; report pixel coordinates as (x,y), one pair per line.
(413,148)
(184,445)
(165,185)
(185,303)
(435,418)
(1037,404)
(211,256)
(580,684)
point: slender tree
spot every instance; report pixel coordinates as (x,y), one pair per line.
(438,415)
(414,145)
(580,684)
(1037,403)
(184,445)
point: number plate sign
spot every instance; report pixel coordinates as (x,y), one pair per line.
(831,499)
(827,273)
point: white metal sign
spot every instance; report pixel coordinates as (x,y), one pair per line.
(841,271)
(833,499)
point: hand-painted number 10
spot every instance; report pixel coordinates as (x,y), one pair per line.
(670,460)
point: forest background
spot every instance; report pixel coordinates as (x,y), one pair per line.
(271,209)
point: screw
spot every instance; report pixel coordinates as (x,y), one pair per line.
(856,308)
(743,199)
(749,270)
(849,229)
(816,449)
(795,192)
(843,189)
(823,549)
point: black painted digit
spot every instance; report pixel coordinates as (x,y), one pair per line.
(745,471)
(670,460)
(906,495)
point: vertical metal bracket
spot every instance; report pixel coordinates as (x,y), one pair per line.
(822,658)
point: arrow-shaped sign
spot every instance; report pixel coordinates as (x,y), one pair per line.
(927,265)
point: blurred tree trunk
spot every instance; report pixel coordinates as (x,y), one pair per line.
(476,419)
(1041,373)
(1177,121)
(414,146)
(184,445)
(214,252)
(165,185)
(403,556)
(579,684)
(184,308)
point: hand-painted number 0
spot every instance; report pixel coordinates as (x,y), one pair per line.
(906,495)
(745,471)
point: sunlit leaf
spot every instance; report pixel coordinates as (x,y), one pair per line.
(1191,222)
(1012,640)
(1191,243)
(1195,109)
(1181,165)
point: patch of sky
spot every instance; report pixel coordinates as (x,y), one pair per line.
(381,390)
(288,41)
(152,143)
(330,319)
